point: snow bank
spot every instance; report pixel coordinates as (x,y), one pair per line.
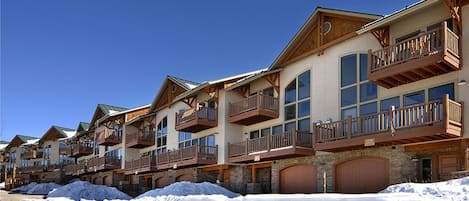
(456,189)
(25,188)
(42,188)
(84,190)
(2,185)
(187,188)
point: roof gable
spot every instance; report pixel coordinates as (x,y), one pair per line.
(324,28)
(172,87)
(83,126)
(57,132)
(18,140)
(102,110)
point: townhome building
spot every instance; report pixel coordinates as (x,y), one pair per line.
(13,159)
(355,102)
(3,160)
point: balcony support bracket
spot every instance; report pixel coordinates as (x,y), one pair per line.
(454,7)
(382,34)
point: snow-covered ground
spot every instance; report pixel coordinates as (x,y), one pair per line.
(25,188)
(2,185)
(452,190)
(84,190)
(36,189)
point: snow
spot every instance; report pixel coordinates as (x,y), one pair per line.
(2,146)
(70,134)
(187,188)
(457,189)
(25,188)
(84,190)
(2,185)
(191,86)
(42,188)
(113,111)
(29,142)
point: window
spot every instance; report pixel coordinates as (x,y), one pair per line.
(260,133)
(184,139)
(277,130)
(297,102)
(161,135)
(414,98)
(268,91)
(116,154)
(387,103)
(254,134)
(449,24)
(407,36)
(437,93)
(357,95)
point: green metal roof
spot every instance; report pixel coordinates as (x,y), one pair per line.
(108,108)
(25,138)
(83,125)
(186,84)
(62,130)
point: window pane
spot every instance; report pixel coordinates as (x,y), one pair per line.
(277,130)
(290,92)
(370,108)
(290,112)
(181,136)
(368,91)
(438,92)
(349,96)
(188,136)
(387,103)
(265,132)
(349,112)
(363,67)
(211,140)
(290,126)
(304,85)
(268,91)
(304,125)
(414,98)
(203,141)
(348,70)
(254,134)
(303,109)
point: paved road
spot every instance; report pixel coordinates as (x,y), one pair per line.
(4,196)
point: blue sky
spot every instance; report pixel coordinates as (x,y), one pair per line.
(61,58)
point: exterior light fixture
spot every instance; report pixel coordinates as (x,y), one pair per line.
(462,82)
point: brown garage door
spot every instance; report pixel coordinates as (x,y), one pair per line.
(447,164)
(161,182)
(298,179)
(185,177)
(362,175)
(107,180)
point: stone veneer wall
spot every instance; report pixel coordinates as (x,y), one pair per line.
(401,169)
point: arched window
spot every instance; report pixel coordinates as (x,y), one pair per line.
(297,103)
(161,135)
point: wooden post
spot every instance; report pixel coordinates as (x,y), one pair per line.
(246,148)
(445,36)
(391,119)
(268,138)
(371,59)
(253,174)
(325,181)
(349,130)
(446,110)
(313,134)
(293,135)
(258,100)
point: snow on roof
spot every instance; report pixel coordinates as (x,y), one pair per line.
(191,86)
(2,146)
(113,111)
(29,142)
(70,134)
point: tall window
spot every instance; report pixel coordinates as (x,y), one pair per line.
(186,140)
(47,151)
(161,135)
(357,94)
(297,103)
(116,154)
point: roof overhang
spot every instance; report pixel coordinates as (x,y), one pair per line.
(251,79)
(398,15)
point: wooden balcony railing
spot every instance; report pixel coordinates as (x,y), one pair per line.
(140,139)
(193,155)
(143,164)
(81,149)
(75,169)
(31,154)
(254,109)
(193,120)
(103,163)
(30,169)
(435,119)
(109,137)
(69,151)
(435,51)
(63,150)
(283,145)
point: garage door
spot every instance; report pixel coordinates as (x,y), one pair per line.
(362,175)
(447,164)
(298,179)
(161,182)
(185,177)
(107,180)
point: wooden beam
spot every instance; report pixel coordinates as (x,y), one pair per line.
(454,7)
(243,90)
(190,101)
(274,80)
(382,34)
(320,48)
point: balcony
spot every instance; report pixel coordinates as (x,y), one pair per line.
(75,169)
(139,165)
(63,150)
(81,149)
(429,54)
(109,137)
(103,163)
(31,154)
(30,169)
(193,120)
(140,139)
(288,144)
(434,120)
(188,156)
(254,109)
